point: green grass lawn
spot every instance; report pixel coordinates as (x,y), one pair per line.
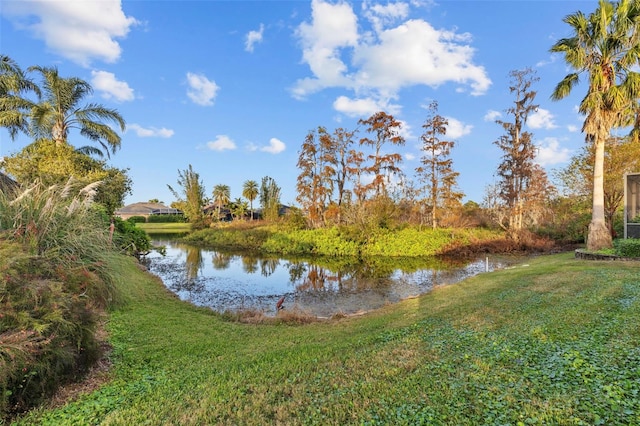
(165,228)
(553,342)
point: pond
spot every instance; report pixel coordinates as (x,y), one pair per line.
(318,287)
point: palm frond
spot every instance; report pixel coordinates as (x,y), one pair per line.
(563,88)
(91,150)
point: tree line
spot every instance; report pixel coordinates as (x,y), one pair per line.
(354,176)
(202,211)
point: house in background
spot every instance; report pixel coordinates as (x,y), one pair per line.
(145,210)
(6,183)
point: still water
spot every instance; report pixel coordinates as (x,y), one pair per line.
(229,282)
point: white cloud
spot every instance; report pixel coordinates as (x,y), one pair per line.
(151,132)
(457,129)
(381,15)
(541,119)
(364,107)
(573,128)
(550,152)
(275,146)
(415,53)
(492,115)
(202,91)
(222,143)
(111,87)
(409,157)
(333,26)
(552,59)
(80,31)
(252,38)
(404,130)
(383,62)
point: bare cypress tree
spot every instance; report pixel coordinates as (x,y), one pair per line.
(436,171)
(385,129)
(342,140)
(315,181)
(517,168)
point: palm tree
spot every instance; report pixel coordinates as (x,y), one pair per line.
(58,110)
(238,208)
(250,192)
(606,47)
(221,196)
(14,108)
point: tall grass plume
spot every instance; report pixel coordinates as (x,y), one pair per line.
(55,284)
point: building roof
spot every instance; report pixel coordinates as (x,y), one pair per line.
(146,209)
(6,182)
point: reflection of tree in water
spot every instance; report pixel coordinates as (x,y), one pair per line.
(194,261)
(314,280)
(249,264)
(311,277)
(268,266)
(220,260)
(366,274)
(296,271)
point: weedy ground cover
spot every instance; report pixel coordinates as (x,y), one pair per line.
(553,342)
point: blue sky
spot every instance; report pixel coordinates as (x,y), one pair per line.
(234,87)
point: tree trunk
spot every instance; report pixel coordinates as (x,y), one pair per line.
(58,134)
(599,236)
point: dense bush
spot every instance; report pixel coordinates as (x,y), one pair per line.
(137,219)
(55,282)
(407,242)
(166,218)
(130,239)
(250,239)
(203,222)
(338,241)
(47,328)
(629,247)
(295,219)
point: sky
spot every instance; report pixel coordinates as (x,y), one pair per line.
(232,88)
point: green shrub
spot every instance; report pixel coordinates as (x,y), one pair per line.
(137,219)
(166,218)
(629,247)
(47,329)
(295,219)
(250,239)
(55,283)
(203,222)
(338,241)
(130,239)
(407,242)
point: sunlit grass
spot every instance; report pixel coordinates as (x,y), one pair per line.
(554,342)
(165,228)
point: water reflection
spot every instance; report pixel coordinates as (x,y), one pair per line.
(194,261)
(324,287)
(220,260)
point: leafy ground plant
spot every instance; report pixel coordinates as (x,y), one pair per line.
(551,342)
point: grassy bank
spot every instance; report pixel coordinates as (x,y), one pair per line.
(553,342)
(165,228)
(342,241)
